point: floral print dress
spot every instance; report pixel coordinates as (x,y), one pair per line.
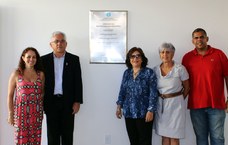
(28,111)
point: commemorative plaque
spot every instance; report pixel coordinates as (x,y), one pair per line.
(108,36)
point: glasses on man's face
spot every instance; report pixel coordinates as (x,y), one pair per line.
(137,56)
(58,41)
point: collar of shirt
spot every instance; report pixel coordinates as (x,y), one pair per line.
(209,50)
(59,57)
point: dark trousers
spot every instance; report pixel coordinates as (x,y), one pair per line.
(60,124)
(139,131)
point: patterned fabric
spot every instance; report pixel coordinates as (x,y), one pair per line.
(28,112)
(139,95)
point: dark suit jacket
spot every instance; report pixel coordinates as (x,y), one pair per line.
(72,81)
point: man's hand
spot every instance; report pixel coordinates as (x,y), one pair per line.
(75,107)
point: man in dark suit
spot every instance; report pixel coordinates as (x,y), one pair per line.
(63,91)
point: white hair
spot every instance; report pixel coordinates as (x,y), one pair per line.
(57,33)
(167,46)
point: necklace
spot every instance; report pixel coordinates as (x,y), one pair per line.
(135,73)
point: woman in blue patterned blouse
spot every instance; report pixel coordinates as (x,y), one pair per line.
(138,98)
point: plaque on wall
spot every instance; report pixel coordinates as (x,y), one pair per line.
(108,36)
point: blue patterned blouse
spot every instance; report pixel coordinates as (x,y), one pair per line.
(139,95)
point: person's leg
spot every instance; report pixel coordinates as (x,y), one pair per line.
(216,126)
(53,118)
(174,141)
(53,130)
(144,131)
(67,124)
(200,125)
(132,131)
(165,140)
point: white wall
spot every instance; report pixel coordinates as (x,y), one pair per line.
(26,23)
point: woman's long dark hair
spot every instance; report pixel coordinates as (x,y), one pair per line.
(37,66)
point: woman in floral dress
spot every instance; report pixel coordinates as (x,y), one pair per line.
(26,108)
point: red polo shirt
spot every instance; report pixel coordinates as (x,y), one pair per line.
(206,75)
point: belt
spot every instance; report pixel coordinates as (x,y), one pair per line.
(171,95)
(165,96)
(58,95)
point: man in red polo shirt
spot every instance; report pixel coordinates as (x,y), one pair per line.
(208,68)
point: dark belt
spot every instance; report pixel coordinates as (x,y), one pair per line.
(171,95)
(165,96)
(58,95)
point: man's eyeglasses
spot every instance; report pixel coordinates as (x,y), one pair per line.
(135,56)
(58,41)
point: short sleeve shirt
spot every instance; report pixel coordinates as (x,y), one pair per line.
(172,82)
(207,75)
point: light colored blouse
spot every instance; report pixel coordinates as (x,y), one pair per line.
(172,82)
